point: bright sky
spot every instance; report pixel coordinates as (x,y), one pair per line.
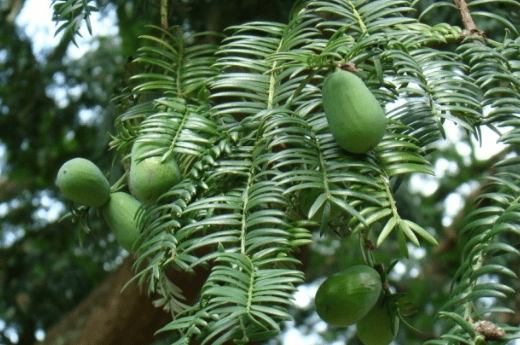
(36,19)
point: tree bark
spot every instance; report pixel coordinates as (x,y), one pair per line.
(110,315)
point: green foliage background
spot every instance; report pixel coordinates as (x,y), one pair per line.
(241,112)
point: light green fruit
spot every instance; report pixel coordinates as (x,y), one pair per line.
(120,215)
(81,181)
(379,326)
(346,297)
(356,120)
(151,177)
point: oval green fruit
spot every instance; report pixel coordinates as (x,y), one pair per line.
(120,215)
(356,120)
(346,297)
(151,177)
(379,326)
(81,181)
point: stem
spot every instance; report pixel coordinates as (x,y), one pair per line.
(300,87)
(272,89)
(368,256)
(177,136)
(468,306)
(243,228)
(389,195)
(163,8)
(467,20)
(362,25)
(119,182)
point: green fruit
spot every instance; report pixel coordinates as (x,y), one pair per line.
(379,326)
(307,198)
(356,120)
(81,181)
(151,177)
(346,297)
(120,215)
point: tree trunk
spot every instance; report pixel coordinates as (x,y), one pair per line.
(110,315)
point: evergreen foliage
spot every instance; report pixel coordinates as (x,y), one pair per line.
(242,115)
(72,13)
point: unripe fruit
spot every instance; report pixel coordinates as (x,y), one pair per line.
(356,120)
(346,297)
(120,215)
(81,181)
(379,326)
(150,177)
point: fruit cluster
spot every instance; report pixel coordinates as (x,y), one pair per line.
(81,181)
(355,296)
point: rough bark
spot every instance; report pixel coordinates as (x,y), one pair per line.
(110,316)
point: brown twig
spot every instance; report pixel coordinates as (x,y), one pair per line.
(349,66)
(469,25)
(13,10)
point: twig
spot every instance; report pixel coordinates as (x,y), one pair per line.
(467,20)
(13,10)
(164,14)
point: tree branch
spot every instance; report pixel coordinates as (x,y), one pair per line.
(164,14)
(467,20)
(110,315)
(13,10)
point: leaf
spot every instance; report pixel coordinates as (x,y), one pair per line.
(499,19)
(373,217)
(318,203)
(402,243)
(349,209)
(390,225)
(458,338)
(405,228)
(421,232)
(459,320)
(493,268)
(72,12)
